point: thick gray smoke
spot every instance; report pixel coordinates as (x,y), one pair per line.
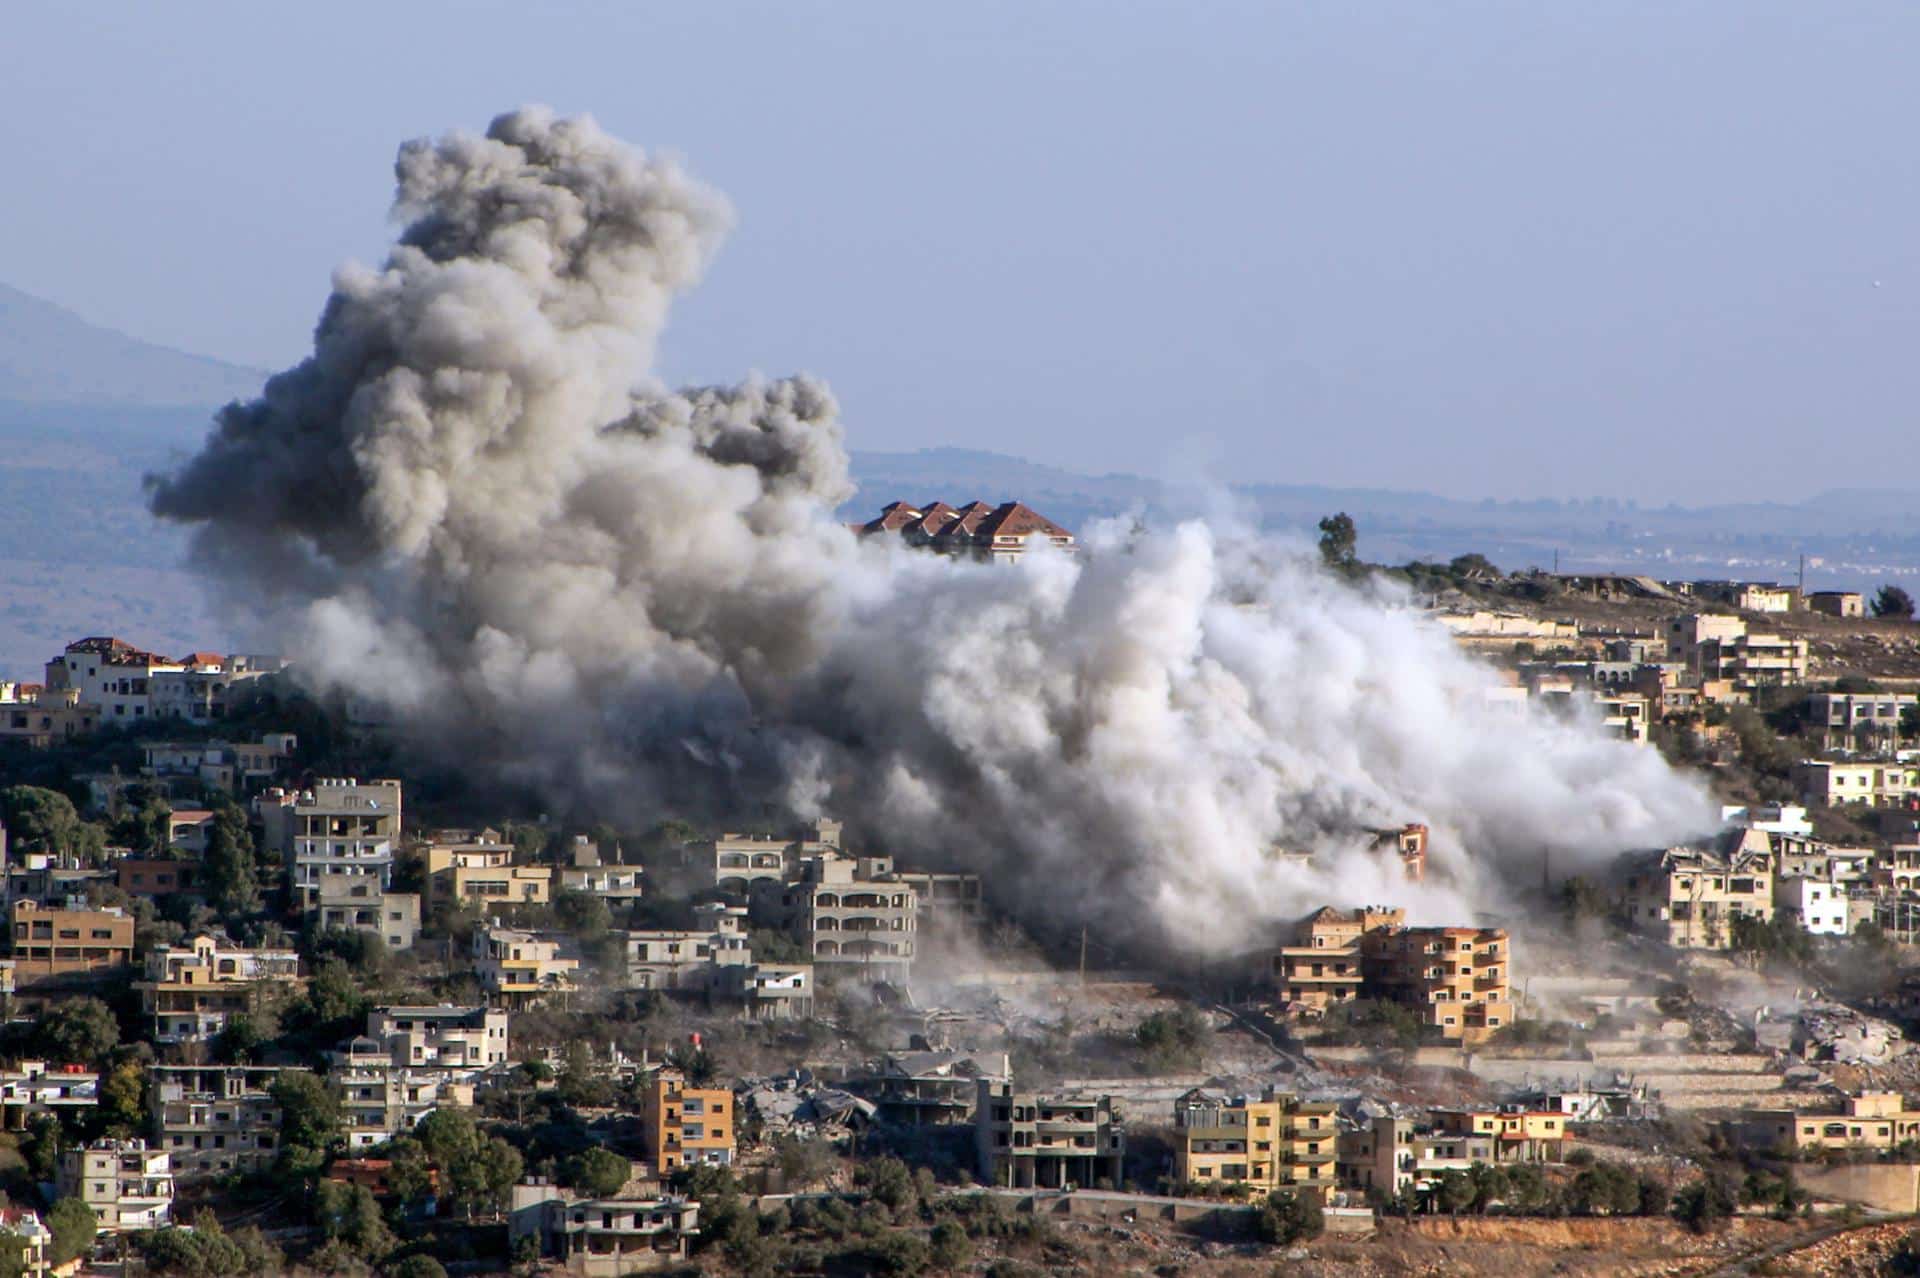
(472,505)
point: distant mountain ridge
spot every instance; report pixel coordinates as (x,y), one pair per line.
(49,355)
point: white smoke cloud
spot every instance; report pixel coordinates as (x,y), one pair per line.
(473,503)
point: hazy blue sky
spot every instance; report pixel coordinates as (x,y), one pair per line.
(1646,250)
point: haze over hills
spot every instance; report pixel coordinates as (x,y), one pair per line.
(49,355)
(86,413)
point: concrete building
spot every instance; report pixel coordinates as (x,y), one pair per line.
(128,1186)
(38,717)
(1871,1120)
(768,991)
(52,945)
(1321,969)
(1034,1140)
(341,828)
(603,1237)
(29,1089)
(943,898)
(519,968)
(1455,978)
(215,1119)
(737,861)
(380,1100)
(1518,1134)
(1689,896)
(1818,904)
(356,903)
(1838,603)
(144,876)
(222,765)
(850,914)
(36,1244)
(1825,783)
(1393,1155)
(682,1126)
(1274,1142)
(928,1088)
(110,674)
(688,960)
(192,990)
(1861,720)
(442,1037)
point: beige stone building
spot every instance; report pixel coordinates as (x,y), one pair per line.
(215,1119)
(1457,979)
(1689,897)
(1273,1142)
(1035,1140)
(51,945)
(341,827)
(1871,1120)
(849,913)
(190,991)
(128,1186)
(356,903)
(1825,783)
(519,968)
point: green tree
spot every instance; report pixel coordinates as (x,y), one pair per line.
(79,1030)
(418,1265)
(1339,541)
(582,913)
(41,820)
(598,1173)
(1893,602)
(73,1226)
(410,1175)
(334,995)
(949,1246)
(349,1214)
(123,1097)
(1705,1203)
(898,1254)
(481,1180)
(1455,1192)
(888,1182)
(1173,1038)
(1654,1195)
(1473,567)
(13,1254)
(1290,1217)
(805,1163)
(230,871)
(310,1114)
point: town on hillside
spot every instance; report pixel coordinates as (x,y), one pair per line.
(274,1003)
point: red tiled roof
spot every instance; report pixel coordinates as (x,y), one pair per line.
(205,659)
(894,516)
(1015,520)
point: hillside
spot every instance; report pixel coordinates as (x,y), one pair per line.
(49,355)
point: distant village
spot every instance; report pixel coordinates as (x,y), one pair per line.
(265,1014)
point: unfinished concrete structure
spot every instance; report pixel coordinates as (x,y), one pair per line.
(1028,1140)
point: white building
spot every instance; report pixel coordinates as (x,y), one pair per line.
(342,827)
(1818,905)
(128,1185)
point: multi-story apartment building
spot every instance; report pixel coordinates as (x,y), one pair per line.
(1393,1155)
(1321,969)
(35,1246)
(1689,896)
(356,903)
(191,990)
(1518,1134)
(664,960)
(519,968)
(380,1100)
(442,1037)
(738,861)
(128,1185)
(208,687)
(1860,719)
(846,912)
(1274,1142)
(341,828)
(603,1237)
(682,1126)
(1824,783)
(144,876)
(768,991)
(111,674)
(943,898)
(1817,904)
(37,716)
(67,944)
(214,1119)
(1871,1120)
(31,1088)
(223,765)
(1034,1140)
(931,1089)
(1455,978)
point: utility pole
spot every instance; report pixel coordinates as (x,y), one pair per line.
(1083,954)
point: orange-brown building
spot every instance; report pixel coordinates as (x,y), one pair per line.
(685,1126)
(53,944)
(1456,978)
(1322,966)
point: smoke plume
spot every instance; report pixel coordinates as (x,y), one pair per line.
(473,506)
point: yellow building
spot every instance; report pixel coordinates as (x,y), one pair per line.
(483,871)
(1871,1120)
(1275,1142)
(1519,1135)
(685,1126)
